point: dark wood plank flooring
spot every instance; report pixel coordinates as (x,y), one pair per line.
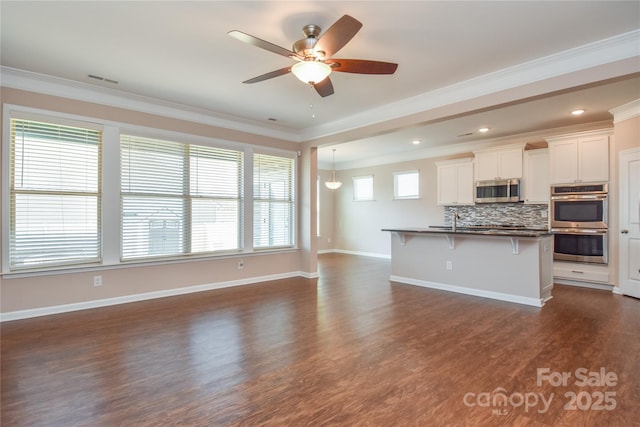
(347,349)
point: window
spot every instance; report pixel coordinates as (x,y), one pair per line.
(273,201)
(406,185)
(363,188)
(179,198)
(318,187)
(54,195)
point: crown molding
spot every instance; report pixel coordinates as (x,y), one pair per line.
(80,91)
(626,111)
(622,50)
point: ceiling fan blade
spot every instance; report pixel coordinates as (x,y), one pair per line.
(268,76)
(362,66)
(337,35)
(248,38)
(324,88)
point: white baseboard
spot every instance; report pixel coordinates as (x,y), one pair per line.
(65,308)
(581,284)
(369,254)
(470,291)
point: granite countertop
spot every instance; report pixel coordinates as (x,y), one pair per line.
(480,231)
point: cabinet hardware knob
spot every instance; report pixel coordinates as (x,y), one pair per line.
(624,231)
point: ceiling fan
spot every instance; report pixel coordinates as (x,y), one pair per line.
(314,55)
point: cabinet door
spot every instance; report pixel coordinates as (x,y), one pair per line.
(486,166)
(536,176)
(447,185)
(465,186)
(593,156)
(563,161)
(510,164)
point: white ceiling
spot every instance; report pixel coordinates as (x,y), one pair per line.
(512,66)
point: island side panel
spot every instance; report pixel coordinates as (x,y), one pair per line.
(546,267)
(486,264)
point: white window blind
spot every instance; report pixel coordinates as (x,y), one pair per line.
(179,199)
(54,195)
(273,201)
(406,185)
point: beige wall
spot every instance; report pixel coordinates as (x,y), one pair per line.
(46,290)
(344,224)
(358,224)
(326,237)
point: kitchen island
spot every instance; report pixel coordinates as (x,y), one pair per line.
(508,265)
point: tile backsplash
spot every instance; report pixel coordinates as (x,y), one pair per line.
(519,214)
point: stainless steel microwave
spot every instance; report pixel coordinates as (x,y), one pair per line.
(499,191)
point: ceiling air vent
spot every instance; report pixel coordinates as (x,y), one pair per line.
(103,79)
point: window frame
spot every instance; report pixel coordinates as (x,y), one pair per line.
(110,189)
(8,221)
(291,201)
(369,196)
(396,183)
(187,195)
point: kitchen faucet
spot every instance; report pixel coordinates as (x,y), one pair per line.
(455,219)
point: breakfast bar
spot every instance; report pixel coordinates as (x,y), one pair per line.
(508,265)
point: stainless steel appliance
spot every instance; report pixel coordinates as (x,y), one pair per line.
(581,206)
(499,191)
(580,245)
(579,222)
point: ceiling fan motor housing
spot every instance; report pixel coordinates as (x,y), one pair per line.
(305,46)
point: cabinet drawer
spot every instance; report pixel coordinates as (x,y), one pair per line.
(587,273)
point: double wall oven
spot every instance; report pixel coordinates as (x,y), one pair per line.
(579,222)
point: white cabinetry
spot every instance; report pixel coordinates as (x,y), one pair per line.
(536,176)
(580,274)
(499,163)
(455,182)
(579,158)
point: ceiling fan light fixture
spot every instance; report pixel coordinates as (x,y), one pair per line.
(311,72)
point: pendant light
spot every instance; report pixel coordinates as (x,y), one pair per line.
(334,184)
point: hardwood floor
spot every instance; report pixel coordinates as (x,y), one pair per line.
(347,349)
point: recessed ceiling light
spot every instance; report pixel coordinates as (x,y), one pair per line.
(416,142)
(483,130)
(577,112)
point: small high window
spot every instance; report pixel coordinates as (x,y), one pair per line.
(406,185)
(363,188)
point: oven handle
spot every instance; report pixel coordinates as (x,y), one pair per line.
(580,197)
(578,231)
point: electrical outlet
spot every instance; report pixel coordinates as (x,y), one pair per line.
(97,281)
(449,265)
(240,264)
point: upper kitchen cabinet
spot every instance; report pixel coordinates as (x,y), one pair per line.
(580,157)
(499,163)
(536,176)
(455,182)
